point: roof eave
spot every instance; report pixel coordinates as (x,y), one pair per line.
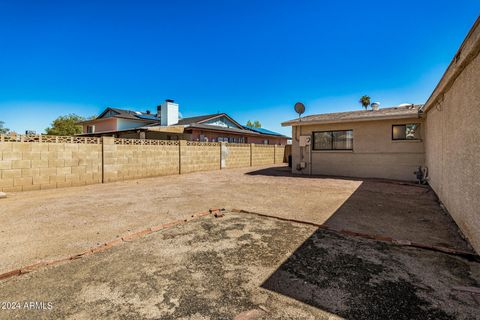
(377,118)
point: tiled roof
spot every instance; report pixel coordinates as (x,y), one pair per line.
(401,111)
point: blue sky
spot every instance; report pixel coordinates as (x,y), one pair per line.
(251,59)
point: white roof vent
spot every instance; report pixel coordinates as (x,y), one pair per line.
(375,105)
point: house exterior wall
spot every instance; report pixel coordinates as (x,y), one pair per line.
(125,124)
(213,136)
(107,124)
(271,140)
(452,147)
(374,154)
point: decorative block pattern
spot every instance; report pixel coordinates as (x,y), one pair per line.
(46,162)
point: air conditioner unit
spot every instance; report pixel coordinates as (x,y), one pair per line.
(305,141)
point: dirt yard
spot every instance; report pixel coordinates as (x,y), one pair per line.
(50,224)
(243,266)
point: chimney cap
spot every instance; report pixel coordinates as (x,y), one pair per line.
(169,100)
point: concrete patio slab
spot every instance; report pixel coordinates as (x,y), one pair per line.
(249,267)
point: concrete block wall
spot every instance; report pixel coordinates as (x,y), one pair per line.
(33,166)
(123,161)
(279,153)
(236,155)
(199,156)
(42,162)
(262,154)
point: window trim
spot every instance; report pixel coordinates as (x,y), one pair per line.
(332,149)
(405,124)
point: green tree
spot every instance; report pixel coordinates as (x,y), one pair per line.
(65,125)
(365,101)
(254,124)
(3,130)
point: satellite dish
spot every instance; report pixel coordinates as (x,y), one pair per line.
(299,108)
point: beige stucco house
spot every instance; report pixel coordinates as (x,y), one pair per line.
(385,143)
(440,136)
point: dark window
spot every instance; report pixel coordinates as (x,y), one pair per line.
(333,140)
(90,129)
(409,131)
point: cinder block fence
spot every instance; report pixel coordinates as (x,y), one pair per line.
(45,162)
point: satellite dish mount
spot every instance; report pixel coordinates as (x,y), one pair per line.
(299,108)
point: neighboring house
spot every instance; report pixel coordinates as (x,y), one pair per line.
(166,124)
(441,136)
(384,143)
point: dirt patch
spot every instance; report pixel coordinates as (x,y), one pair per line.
(50,224)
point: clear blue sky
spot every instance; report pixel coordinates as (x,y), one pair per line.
(251,59)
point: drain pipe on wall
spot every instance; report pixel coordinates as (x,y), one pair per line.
(310,158)
(297,139)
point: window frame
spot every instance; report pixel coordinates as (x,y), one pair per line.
(332,142)
(405,125)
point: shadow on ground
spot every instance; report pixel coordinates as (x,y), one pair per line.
(396,209)
(363,279)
